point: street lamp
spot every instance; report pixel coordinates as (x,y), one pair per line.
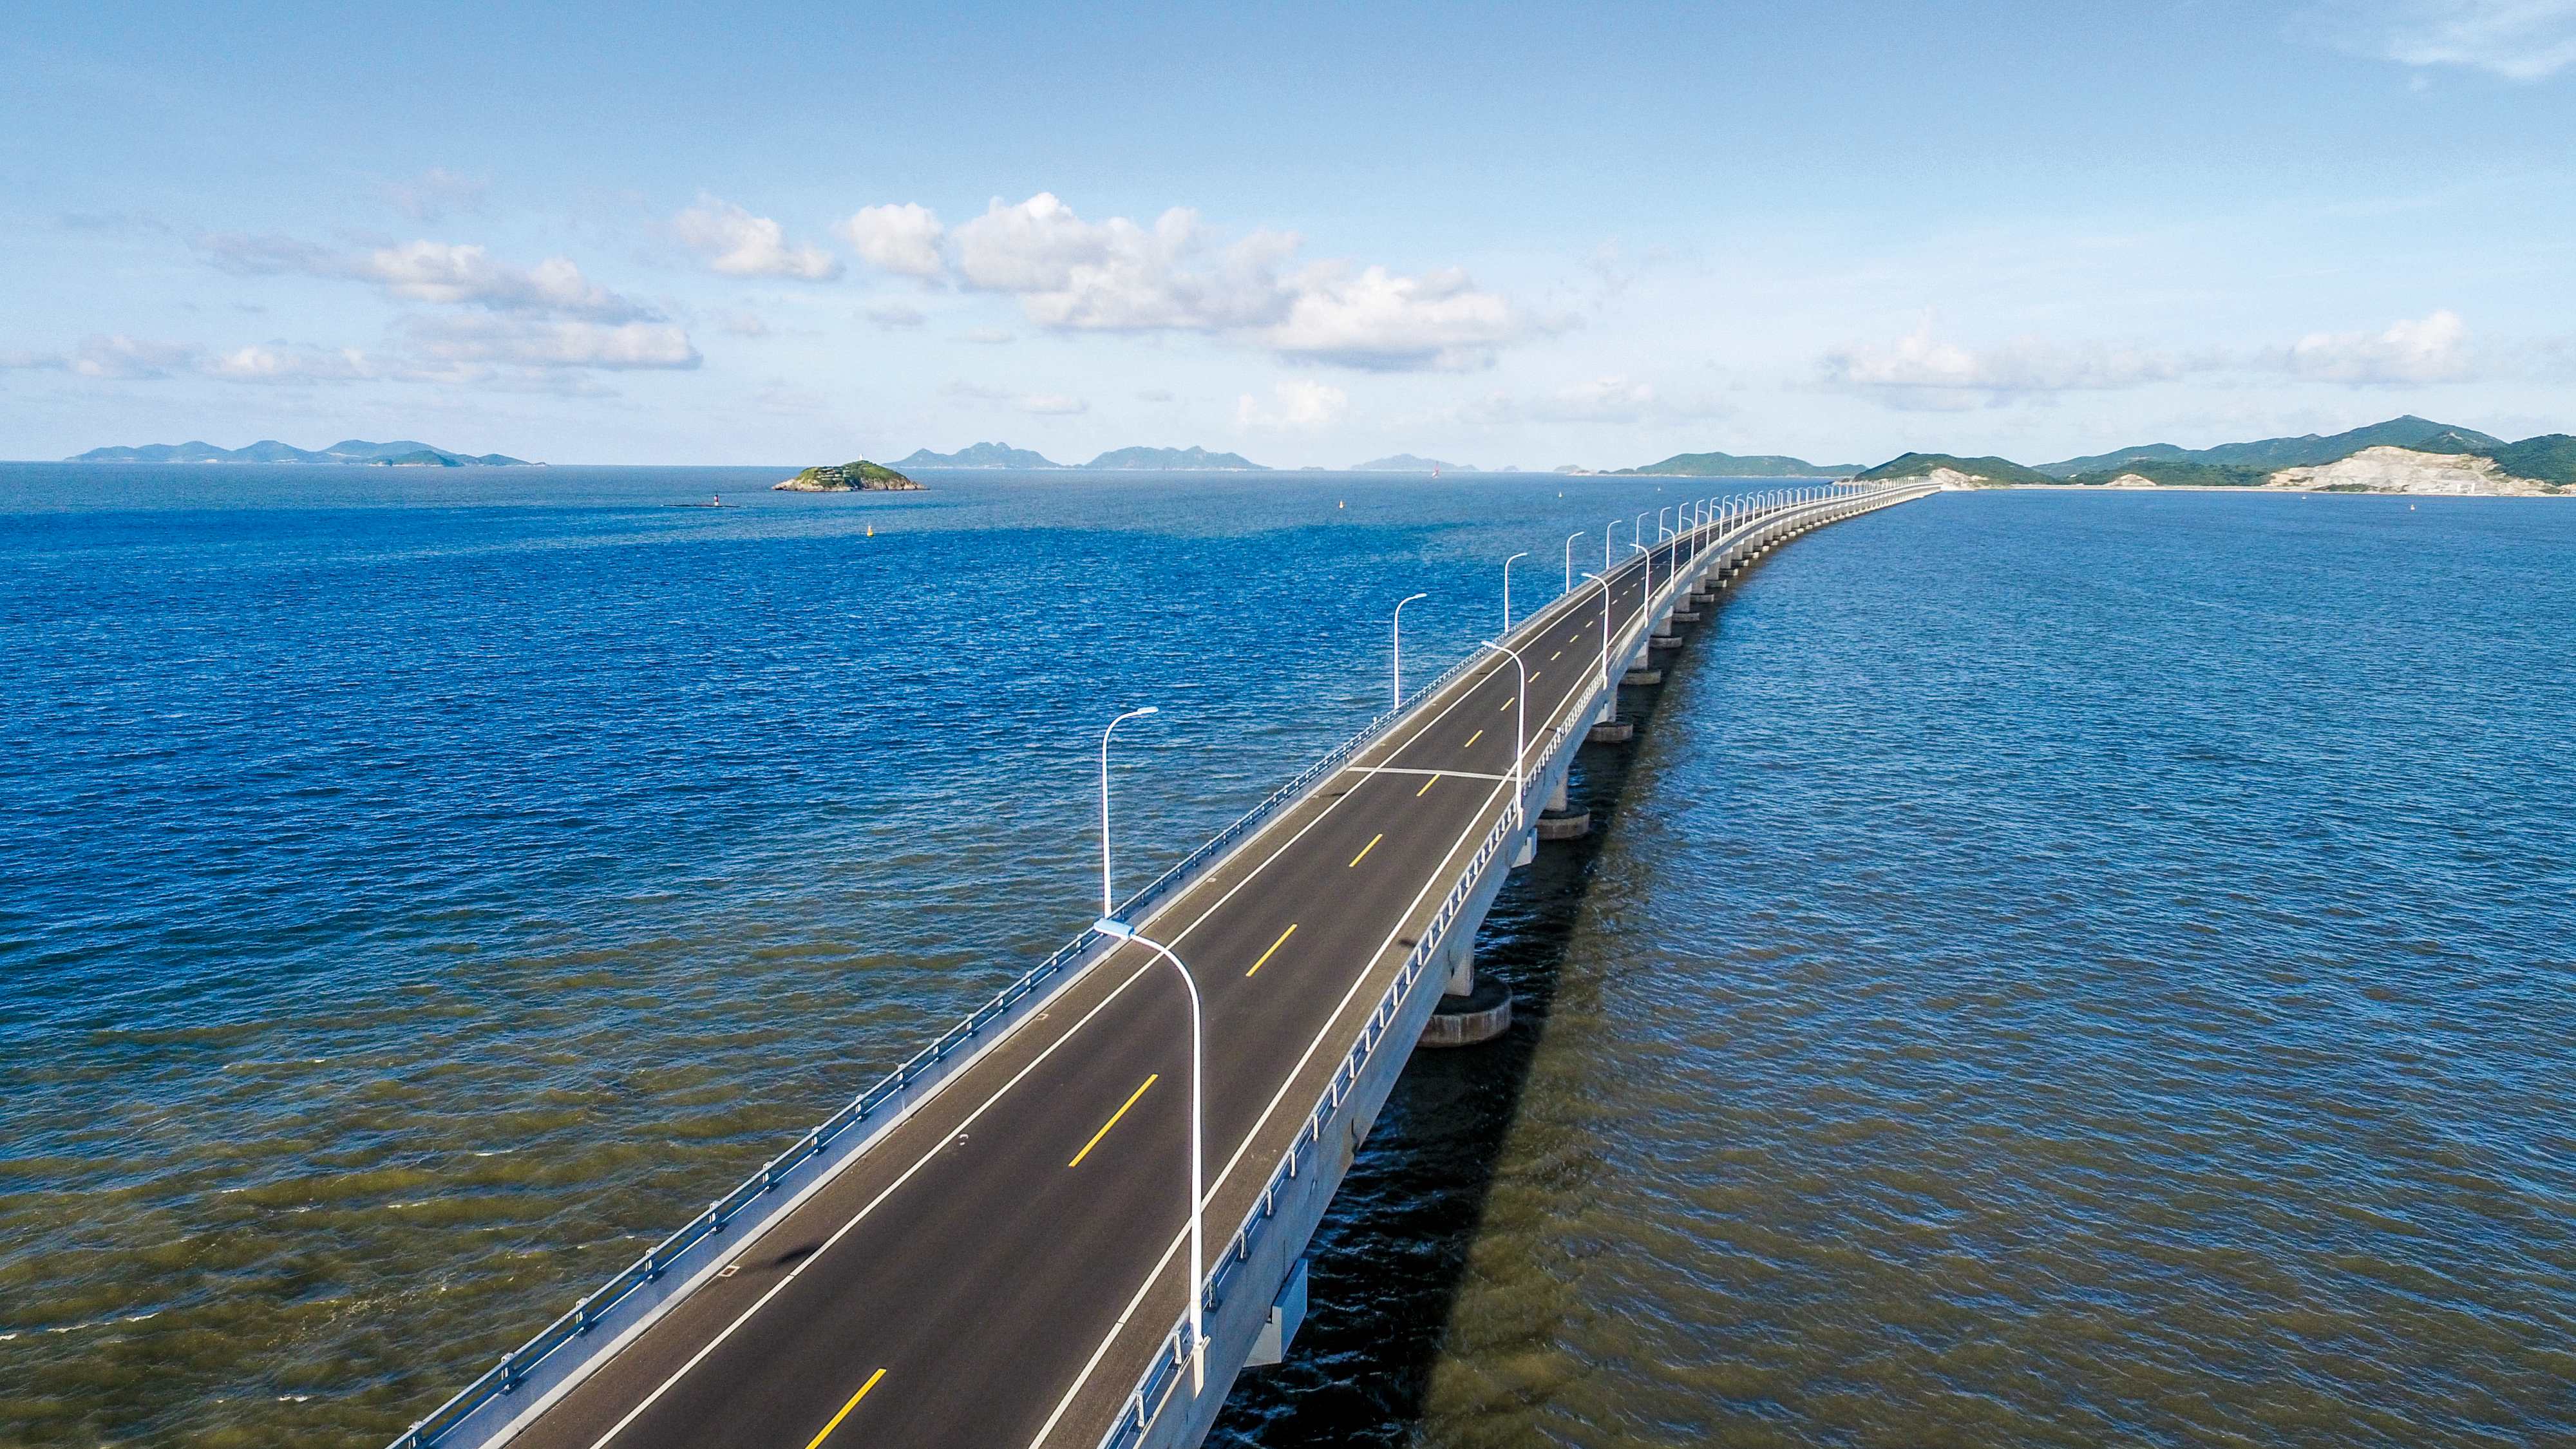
(1111,926)
(1660,530)
(1611,527)
(1107,907)
(1605,640)
(1569,560)
(1520,734)
(1507,589)
(1399,645)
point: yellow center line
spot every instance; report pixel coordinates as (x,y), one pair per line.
(817,1440)
(1425,790)
(1506,704)
(1552,658)
(1274,948)
(1365,849)
(1096,1136)
(1471,740)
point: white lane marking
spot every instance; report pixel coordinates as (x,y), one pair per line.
(1227,1172)
(1399,770)
(1460,695)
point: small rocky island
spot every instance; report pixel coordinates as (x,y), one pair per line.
(859,477)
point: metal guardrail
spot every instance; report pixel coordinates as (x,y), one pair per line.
(1146,1399)
(505,1376)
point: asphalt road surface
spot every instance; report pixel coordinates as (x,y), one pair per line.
(998,1270)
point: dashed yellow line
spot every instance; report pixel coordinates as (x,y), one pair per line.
(1471,740)
(1506,704)
(1274,948)
(1077,1158)
(1552,658)
(1365,849)
(1425,790)
(817,1441)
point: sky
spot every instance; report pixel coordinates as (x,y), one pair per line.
(1314,234)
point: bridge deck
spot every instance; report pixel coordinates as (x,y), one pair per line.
(1000,1266)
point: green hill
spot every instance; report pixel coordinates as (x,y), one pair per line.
(861,476)
(1732,465)
(1915,465)
(2306,451)
(2549,458)
(2171,474)
(1175,460)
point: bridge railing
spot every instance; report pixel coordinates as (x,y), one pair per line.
(1163,1373)
(586,1315)
(1136,1415)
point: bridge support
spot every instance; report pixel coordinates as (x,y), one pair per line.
(1642,676)
(1564,825)
(1470,1011)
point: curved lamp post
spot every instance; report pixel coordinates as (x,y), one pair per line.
(1520,733)
(1507,589)
(1109,925)
(1107,906)
(1569,560)
(1605,640)
(1399,645)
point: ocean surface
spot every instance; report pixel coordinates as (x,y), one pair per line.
(2056,970)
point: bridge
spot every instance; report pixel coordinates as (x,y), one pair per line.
(995,1244)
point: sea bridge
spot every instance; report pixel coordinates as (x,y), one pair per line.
(995,1244)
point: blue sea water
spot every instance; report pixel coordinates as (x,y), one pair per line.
(2064,968)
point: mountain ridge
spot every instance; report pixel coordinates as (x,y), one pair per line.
(269,450)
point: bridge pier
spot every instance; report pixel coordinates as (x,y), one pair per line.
(1470,1011)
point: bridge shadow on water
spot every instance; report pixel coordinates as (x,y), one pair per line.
(1389,1258)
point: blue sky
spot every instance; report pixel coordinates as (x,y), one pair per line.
(1313,234)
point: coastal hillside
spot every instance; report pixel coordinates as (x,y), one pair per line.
(980,455)
(2268,455)
(1984,472)
(1167,460)
(269,450)
(1734,465)
(861,476)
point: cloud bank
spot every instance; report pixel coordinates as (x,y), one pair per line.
(1073,275)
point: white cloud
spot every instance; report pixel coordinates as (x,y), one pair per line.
(742,322)
(1303,405)
(2428,349)
(546,344)
(434,193)
(1040,404)
(893,314)
(282,363)
(736,243)
(1920,370)
(450,274)
(2524,40)
(1117,275)
(1377,320)
(1613,399)
(901,239)
(986,336)
(120,356)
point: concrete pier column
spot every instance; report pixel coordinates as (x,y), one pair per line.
(1470,1011)
(1556,794)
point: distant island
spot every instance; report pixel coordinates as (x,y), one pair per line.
(981,455)
(404,454)
(1124,460)
(1730,465)
(861,476)
(2402,455)
(1164,460)
(1408,463)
